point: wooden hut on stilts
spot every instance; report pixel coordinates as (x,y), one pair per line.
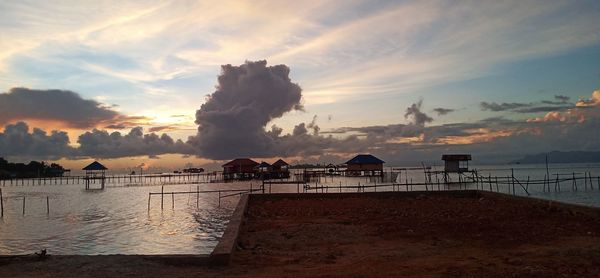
(365,165)
(95,171)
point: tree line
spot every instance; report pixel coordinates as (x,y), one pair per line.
(33,169)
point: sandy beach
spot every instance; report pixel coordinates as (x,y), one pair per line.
(378,235)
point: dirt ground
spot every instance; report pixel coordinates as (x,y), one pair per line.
(424,236)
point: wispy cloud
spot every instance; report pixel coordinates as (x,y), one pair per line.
(338,51)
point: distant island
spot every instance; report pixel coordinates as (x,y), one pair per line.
(33,169)
(561,157)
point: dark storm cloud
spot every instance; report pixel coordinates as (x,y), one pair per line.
(232,121)
(101,144)
(56,105)
(18,141)
(496,107)
(418,118)
(442,111)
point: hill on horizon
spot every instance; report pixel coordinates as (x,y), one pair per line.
(561,157)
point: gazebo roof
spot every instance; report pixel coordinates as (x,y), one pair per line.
(95,166)
(365,159)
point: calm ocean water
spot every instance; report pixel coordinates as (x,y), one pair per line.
(117,221)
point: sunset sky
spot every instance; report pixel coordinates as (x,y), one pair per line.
(310,81)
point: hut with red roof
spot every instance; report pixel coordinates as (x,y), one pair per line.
(239,169)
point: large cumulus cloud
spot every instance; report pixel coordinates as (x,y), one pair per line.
(232,121)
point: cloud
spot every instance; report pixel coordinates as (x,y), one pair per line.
(559,103)
(490,140)
(313,126)
(593,101)
(418,118)
(232,121)
(584,109)
(496,107)
(168,42)
(63,106)
(537,109)
(558,100)
(18,141)
(561,98)
(161,128)
(101,144)
(570,116)
(443,111)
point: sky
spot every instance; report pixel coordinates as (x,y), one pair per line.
(169,84)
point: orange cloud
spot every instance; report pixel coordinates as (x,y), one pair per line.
(593,101)
(477,136)
(570,116)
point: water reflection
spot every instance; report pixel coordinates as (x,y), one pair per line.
(113,221)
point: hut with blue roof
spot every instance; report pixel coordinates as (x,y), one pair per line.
(364,165)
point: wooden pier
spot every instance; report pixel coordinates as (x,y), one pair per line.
(391,181)
(116,180)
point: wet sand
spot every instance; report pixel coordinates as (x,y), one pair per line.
(380,235)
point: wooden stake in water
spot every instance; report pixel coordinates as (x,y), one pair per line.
(47,205)
(547,174)
(1,204)
(148,200)
(23,205)
(172,200)
(512,173)
(497,189)
(162,188)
